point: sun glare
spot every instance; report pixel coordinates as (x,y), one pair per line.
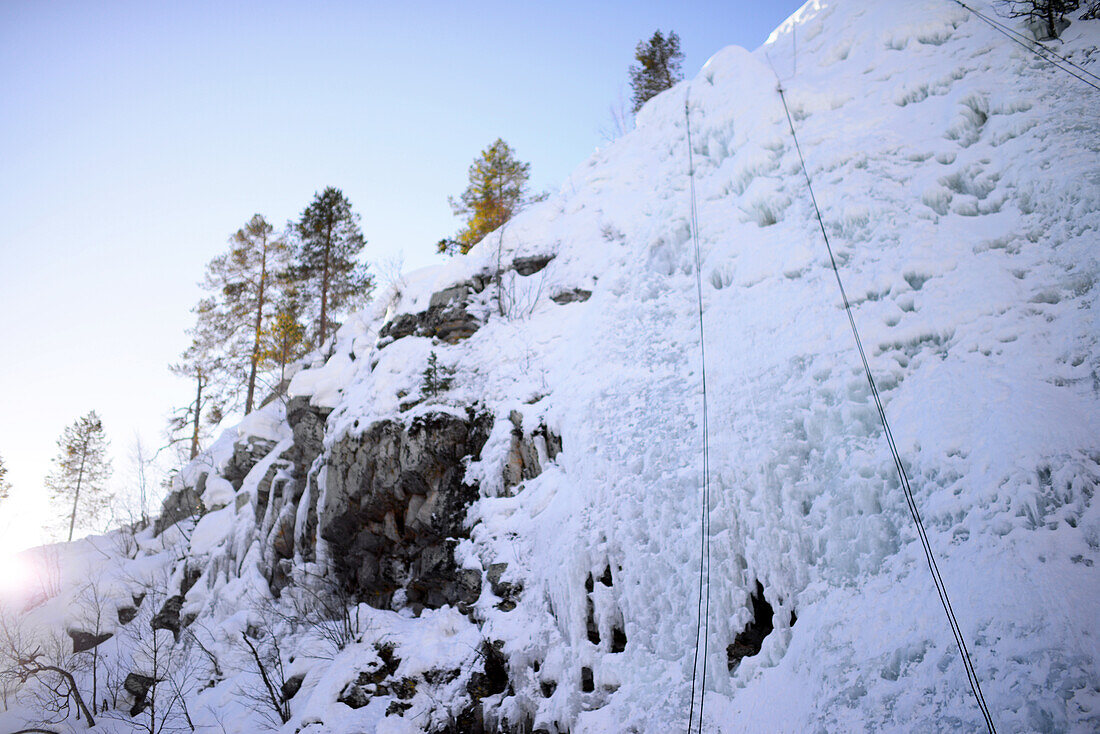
(16,575)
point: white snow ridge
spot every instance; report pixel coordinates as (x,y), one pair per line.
(521,551)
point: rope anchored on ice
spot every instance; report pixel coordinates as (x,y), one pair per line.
(702,623)
(903,477)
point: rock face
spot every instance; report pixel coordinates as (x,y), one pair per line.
(177,506)
(446,318)
(246,454)
(394,506)
(528,453)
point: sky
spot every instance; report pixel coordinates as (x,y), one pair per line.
(136,137)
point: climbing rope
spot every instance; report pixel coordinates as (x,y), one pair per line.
(702,609)
(1034,46)
(941,589)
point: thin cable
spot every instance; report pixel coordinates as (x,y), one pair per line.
(702,609)
(1030,46)
(903,477)
(1027,41)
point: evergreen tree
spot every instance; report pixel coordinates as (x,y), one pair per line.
(436,378)
(243,282)
(284,340)
(80,470)
(497,191)
(5,487)
(326,269)
(658,67)
(203,363)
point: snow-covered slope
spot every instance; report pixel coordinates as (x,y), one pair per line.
(959,179)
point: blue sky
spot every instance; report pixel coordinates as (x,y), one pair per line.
(136,137)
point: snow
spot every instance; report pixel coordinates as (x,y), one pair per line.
(958,181)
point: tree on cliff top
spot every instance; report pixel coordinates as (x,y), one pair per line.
(326,270)
(204,363)
(80,471)
(658,67)
(497,191)
(243,283)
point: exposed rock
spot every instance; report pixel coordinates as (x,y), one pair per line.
(587,683)
(354,696)
(404,688)
(527,453)
(531,264)
(246,454)
(618,639)
(749,640)
(137,685)
(168,618)
(590,621)
(291,686)
(441,677)
(191,575)
(494,677)
(87,640)
(508,592)
(308,425)
(575,295)
(395,506)
(446,318)
(178,505)
(397,708)
(126,614)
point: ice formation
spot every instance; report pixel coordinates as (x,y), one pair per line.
(959,179)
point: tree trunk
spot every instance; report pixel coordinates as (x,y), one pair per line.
(1051,31)
(324,284)
(198,410)
(71,682)
(259,325)
(76,495)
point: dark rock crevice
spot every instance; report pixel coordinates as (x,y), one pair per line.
(750,640)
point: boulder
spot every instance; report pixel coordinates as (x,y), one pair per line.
(571,296)
(87,640)
(168,618)
(531,264)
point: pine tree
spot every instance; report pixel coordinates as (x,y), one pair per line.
(284,340)
(326,269)
(242,282)
(81,469)
(5,486)
(658,67)
(497,192)
(436,378)
(204,364)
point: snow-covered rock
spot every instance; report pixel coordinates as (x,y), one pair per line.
(959,181)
